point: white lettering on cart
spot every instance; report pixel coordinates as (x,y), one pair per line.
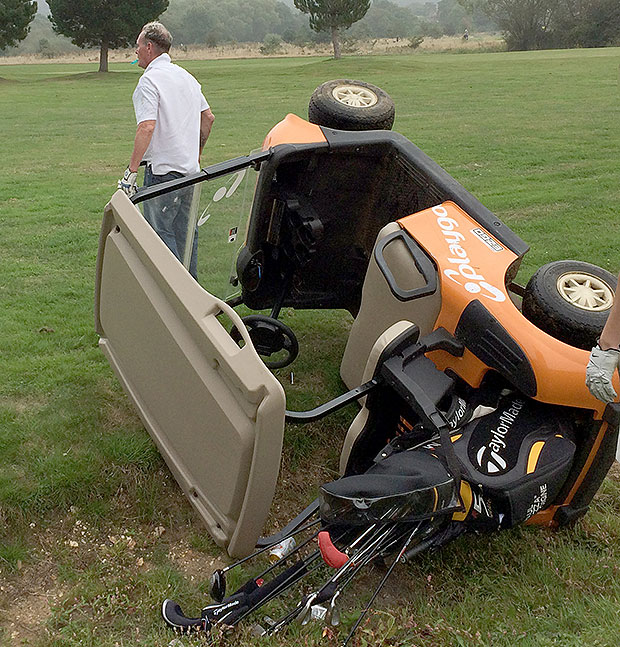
(475,283)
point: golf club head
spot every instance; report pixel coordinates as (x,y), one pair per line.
(217,586)
(333,616)
(317,612)
(303,617)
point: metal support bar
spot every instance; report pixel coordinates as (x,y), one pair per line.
(333,405)
(208,173)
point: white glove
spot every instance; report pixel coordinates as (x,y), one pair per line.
(128,182)
(599,372)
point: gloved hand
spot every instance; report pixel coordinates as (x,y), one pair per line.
(601,367)
(128,182)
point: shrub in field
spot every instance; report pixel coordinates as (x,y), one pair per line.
(271,45)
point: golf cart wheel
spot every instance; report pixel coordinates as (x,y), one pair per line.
(351,105)
(570,300)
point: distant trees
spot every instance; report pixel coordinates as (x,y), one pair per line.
(333,15)
(539,24)
(213,21)
(15,19)
(587,23)
(387,19)
(109,25)
(525,23)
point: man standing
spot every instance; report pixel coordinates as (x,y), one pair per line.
(174,122)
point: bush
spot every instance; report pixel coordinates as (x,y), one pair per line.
(46,49)
(431,29)
(213,39)
(415,41)
(272,44)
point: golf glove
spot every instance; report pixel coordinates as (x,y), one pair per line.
(599,372)
(128,182)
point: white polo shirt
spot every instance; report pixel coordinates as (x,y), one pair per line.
(173,98)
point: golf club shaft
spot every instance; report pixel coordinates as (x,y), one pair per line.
(258,552)
(381,585)
(364,554)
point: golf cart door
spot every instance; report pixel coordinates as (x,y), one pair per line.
(214,410)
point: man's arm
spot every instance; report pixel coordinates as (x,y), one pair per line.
(605,357)
(206,121)
(610,337)
(144,133)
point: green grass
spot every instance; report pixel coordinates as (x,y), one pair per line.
(533,135)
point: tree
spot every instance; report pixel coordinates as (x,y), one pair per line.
(15,19)
(452,17)
(537,24)
(387,19)
(588,23)
(524,23)
(107,25)
(333,15)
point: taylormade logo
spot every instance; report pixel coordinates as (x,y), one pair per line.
(475,283)
(489,456)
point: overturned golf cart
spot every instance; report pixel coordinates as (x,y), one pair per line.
(472,408)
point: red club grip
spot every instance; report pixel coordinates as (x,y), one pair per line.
(330,554)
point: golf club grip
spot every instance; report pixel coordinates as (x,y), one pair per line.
(174,616)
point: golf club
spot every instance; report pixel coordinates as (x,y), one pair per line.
(217,585)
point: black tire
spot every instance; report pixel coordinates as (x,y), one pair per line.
(351,105)
(570,300)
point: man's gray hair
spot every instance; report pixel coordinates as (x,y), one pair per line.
(157,34)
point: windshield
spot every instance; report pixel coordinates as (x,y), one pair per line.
(202,219)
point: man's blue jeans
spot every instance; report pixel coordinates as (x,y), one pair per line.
(169,214)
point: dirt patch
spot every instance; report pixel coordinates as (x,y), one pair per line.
(614,471)
(22,405)
(27,601)
(195,565)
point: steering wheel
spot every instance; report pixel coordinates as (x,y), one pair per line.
(269,336)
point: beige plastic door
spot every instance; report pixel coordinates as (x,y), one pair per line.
(214,410)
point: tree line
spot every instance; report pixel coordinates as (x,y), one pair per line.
(214,22)
(525,24)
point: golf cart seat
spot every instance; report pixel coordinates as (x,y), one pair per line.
(396,268)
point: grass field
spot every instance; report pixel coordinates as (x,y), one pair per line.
(94,533)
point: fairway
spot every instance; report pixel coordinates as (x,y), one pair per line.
(94,531)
